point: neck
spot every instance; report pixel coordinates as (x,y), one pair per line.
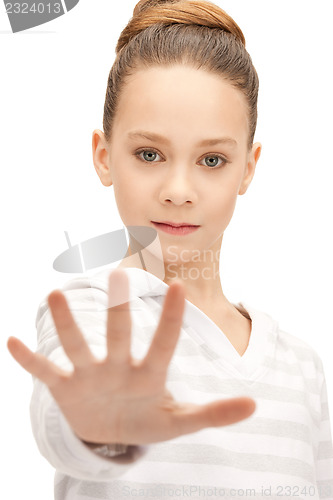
(200,277)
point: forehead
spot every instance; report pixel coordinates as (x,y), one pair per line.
(181,97)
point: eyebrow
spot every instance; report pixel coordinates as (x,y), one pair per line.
(151,136)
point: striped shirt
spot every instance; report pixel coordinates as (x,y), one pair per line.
(283,450)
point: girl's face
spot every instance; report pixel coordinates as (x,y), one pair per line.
(197,166)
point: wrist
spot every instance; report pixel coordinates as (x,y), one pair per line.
(106,450)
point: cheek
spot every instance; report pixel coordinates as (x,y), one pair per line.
(124,185)
(130,197)
(129,179)
(222,204)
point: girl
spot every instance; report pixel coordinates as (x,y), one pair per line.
(166,388)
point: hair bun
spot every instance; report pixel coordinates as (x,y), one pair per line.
(146,4)
(189,12)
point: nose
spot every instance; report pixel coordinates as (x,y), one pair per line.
(178,186)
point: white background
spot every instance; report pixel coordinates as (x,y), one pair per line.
(277,251)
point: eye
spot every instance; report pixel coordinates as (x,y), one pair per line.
(150,156)
(214,158)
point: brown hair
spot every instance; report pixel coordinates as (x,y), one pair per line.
(193,33)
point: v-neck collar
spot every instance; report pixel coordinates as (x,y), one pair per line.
(261,344)
(206,333)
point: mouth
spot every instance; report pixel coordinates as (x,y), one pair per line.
(175,224)
(178,229)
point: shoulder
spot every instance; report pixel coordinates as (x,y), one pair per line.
(83,293)
(302,352)
(87,296)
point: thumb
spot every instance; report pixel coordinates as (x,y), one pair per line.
(192,418)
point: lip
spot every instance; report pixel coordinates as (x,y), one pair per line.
(174,224)
(177,231)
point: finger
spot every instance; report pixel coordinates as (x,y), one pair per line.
(192,418)
(119,322)
(167,334)
(69,333)
(35,363)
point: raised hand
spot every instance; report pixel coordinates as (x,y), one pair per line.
(120,399)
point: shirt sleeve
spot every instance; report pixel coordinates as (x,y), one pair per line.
(55,439)
(324,463)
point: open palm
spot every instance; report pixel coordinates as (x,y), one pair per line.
(120,399)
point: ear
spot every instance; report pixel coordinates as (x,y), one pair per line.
(101,157)
(252,159)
